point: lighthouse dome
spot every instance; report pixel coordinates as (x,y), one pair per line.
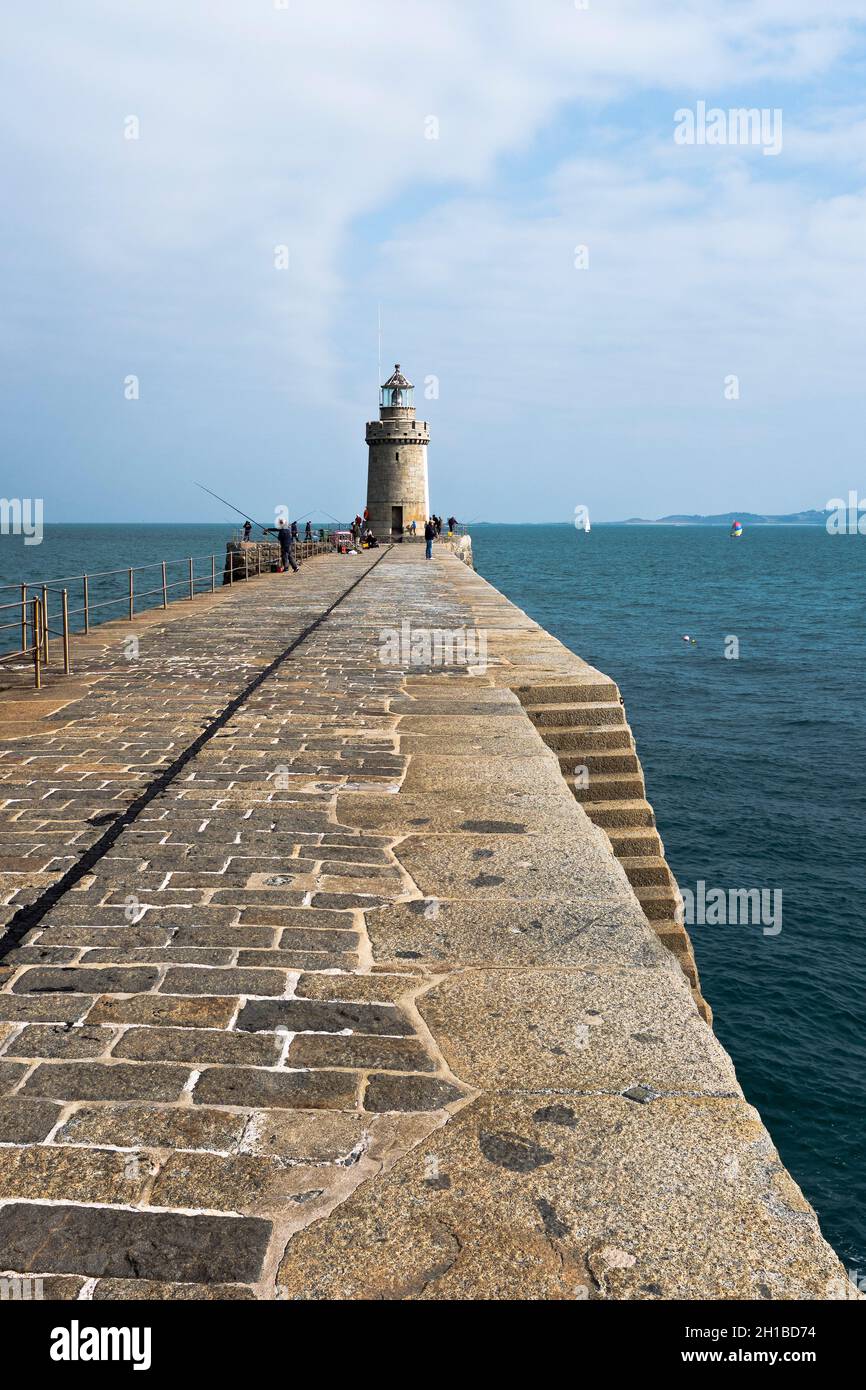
(397,391)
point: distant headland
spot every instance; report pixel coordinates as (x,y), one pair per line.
(807,518)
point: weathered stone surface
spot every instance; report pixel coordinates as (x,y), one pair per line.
(393,1092)
(297,1136)
(71,980)
(254,1087)
(293,939)
(48,1287)
(576,1030)
(106,1081)
(301,1016)
(392,1054)
(198,1045)
(377,988)
(73,1175)
(503,1203)
(241,1183)
(134,1126)
(529,809)
(457,775)
(97,1241)
(155,1009)
(10,1075)
(608,931)
(46,1008)
(193,981)
(58,1040)
(482,867)
(26,1121)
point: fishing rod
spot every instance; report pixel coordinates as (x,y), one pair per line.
(318,511)
(252,518)
(233,507)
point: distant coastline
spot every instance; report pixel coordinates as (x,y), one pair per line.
(807,518)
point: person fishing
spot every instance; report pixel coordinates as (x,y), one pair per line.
(308,531)
(248,526)
(287,547)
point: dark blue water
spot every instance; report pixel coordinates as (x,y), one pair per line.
(755,768)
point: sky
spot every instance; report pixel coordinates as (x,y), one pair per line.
(208,206)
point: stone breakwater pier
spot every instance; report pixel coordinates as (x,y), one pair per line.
(319,982)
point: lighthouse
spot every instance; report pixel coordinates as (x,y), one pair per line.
(397,488)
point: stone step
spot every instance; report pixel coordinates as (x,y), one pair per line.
(563,739)
(623,813)
(634,839)
(566,692)
(610,760)
(646,870)
(659,902)
(701,1005)
(583,713)
(674,937)
(611,786)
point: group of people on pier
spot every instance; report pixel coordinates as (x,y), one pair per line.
(362,535)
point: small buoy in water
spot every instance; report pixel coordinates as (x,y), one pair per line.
(692,641)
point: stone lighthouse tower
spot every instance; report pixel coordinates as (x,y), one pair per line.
(397,489)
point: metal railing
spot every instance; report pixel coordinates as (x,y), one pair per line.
(131,591)
(319,534)
(36,610)
(36,647)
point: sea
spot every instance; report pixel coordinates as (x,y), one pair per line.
(752,737)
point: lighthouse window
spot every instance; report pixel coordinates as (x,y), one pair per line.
(398,455)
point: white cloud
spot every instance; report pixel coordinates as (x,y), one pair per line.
(262,126)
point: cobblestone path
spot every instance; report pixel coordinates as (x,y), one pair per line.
(349,999)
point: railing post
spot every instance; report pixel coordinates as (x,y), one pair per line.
(66,663)
(23,617)
(213,574)
(131,594)
(37,643)
(86,605)
(246,564)
(164,587)
(45,623)
(191,580)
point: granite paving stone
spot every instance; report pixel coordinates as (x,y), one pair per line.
(98,1241)
(256,1087)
